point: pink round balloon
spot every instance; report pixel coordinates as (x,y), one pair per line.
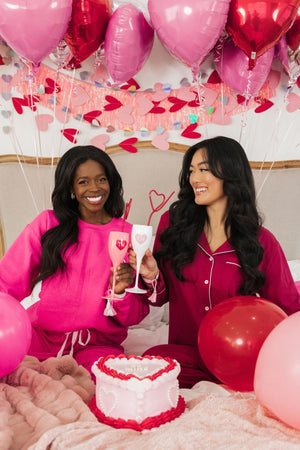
(277,372)
(232,65)
(128,43)
(189,28)
(34,28)
(15,333)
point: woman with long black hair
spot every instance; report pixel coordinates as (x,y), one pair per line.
(211,246)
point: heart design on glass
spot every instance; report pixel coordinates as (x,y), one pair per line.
(173,395)
(140,238)
(121,243)
(107,400)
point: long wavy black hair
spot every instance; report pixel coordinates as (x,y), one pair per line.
(228,162)
(58,239)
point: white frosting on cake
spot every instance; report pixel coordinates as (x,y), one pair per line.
(136,388)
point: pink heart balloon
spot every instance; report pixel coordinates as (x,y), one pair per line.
(128,43)
(189,28)
(34,28)
(232,65)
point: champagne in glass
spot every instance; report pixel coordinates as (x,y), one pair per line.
(117,247)
(141,236)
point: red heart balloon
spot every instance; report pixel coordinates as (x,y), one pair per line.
(257,26)
(86,29)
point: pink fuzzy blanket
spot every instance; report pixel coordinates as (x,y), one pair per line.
(44,406)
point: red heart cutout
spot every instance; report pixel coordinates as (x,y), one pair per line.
(265,104)
(51,86)
(190,133)
(177,103)
(1,61)
(70,134)
(130,83)
(121,243)
(18,103)
(92,115)
(31,101)
(113,103)
(127,145)
(214,78)
(240,99)
(157,109)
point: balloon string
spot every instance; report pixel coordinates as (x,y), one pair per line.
(245,109)
(200,102)
(159,207)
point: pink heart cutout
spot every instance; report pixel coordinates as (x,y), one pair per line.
(124,114)
(159,93)
(160,141)
(61,116)
(79,96)
(100,141)
(144,105)
(42,121)
(140,238)
(294,102)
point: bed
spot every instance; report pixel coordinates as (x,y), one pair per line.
(44,405)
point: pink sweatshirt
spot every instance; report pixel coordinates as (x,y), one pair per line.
(71,300)
(213,277)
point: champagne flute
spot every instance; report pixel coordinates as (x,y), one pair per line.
(117,247)
(141,236)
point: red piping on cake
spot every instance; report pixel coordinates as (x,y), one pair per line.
(113,373)
(146,424)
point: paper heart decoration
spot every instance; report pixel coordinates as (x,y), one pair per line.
(124,114)
(159,93)
(6,95)
(293,102)
(108,400)
(92,116)
(127,145)
(100,141)
(160,141)
(265,104)
(121,244)
(140,238)
(189,132)
(6,78)
(144,105)
(51,86)
(27,100)
(214,78)
(42,121)
(70,134)
(112,103)
(79,96)
(185,93)
(131,85)
(61,115)
(177,103)
(157,109)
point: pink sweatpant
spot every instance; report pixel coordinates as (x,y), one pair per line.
(192,367)
(84,346)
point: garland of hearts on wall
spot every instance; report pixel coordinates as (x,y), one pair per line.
(155,110)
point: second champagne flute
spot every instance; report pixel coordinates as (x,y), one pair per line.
(117,247)
(141,236)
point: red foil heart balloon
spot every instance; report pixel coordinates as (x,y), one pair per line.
(86,30)
(257,26)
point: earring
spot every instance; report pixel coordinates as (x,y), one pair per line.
(72,195)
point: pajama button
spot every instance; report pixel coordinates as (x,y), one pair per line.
(206,282)
(206,308)
(211,258)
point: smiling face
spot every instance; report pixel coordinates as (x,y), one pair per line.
(208,189)
(91,188)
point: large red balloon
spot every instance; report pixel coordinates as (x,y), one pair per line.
(256,26)
(15,333)
(231,335)
(293,35)
(86,30)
